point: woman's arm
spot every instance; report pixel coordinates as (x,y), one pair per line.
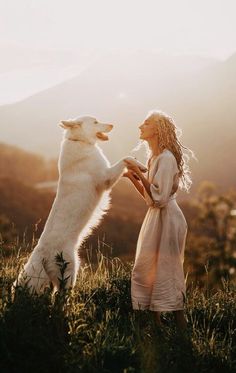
(135,182)
(144,181)
(161,187)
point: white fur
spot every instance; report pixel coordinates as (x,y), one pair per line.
(85,180)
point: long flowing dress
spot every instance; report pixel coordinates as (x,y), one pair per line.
(157,281)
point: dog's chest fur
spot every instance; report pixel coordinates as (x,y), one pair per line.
(81,162)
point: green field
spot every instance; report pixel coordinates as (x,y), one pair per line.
(93,327)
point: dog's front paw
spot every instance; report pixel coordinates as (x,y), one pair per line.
(136,163)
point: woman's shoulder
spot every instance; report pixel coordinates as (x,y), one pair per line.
(168,157)
(165,157)
(167,154)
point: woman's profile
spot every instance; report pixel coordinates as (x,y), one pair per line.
(157,281)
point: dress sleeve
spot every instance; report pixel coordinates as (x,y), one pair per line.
(162,182)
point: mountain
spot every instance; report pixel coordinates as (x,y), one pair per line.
(18,57)
(121,88)
(28,168)
(25,71)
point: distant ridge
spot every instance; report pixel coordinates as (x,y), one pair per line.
(200,94)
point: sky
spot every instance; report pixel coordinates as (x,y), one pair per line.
(204,27)
(29,29)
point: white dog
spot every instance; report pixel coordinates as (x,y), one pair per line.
(85,180)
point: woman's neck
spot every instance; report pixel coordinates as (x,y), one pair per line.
(153,145)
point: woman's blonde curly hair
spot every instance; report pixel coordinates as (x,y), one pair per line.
(168,138)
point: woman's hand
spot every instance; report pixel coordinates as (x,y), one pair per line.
(134,169)
(130,175)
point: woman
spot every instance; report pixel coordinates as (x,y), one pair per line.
(157,281)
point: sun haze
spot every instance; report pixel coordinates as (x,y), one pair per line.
(205,27)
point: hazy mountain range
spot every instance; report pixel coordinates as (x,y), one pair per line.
(121,88)
(25,71)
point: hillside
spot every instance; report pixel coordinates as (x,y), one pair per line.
(94,329)
(24,166)
(25,208)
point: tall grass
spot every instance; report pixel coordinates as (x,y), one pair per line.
(93,328)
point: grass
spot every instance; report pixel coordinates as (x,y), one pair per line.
(93,328)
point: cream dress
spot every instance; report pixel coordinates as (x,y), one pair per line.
(157,281)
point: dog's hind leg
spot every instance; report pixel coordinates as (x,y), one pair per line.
(33,277)
(62,270)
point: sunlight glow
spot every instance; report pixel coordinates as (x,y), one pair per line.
(205,27)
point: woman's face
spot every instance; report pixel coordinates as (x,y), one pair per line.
(148,129)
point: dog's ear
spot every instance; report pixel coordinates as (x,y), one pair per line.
(66,124)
